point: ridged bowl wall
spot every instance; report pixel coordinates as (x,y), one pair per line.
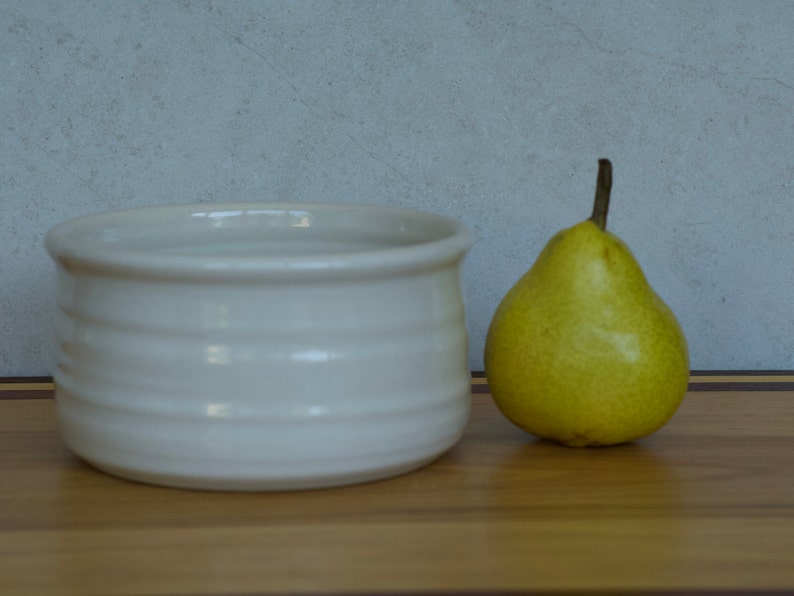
(260,346)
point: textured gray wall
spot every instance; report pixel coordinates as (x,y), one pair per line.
(494,113)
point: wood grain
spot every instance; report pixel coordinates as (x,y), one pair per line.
(704,506)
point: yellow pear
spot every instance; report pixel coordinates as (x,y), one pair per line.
(582,350)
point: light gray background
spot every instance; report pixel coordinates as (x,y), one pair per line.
(494,113)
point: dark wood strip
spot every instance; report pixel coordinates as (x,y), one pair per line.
(8,380)
(742,386)
(477,387)
(480,374)
(741,373)
(562,592)
(26,394)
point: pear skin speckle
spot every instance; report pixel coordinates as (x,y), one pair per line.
(582,350)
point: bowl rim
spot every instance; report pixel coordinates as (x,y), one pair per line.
(71,244)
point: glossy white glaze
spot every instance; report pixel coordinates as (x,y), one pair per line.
(260,346)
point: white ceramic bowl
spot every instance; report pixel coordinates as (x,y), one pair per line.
(258,346)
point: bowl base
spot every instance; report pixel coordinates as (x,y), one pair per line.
(259,484)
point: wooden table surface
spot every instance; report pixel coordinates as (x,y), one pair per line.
(704,506)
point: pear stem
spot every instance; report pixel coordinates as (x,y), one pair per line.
(603,189)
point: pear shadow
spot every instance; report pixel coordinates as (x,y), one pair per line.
(630,479)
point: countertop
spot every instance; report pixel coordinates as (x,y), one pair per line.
(703,506)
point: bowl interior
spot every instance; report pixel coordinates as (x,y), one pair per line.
(271,231)
(256,235)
